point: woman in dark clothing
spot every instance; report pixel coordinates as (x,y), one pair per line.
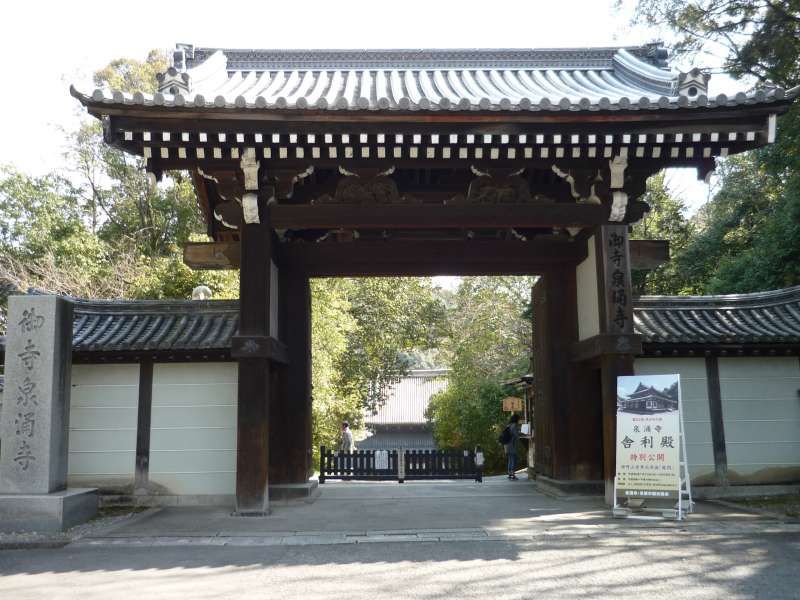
(511,446)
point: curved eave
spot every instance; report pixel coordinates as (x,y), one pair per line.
(240,107)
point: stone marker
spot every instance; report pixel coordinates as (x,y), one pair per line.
(34,422)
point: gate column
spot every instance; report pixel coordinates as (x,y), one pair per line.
(290,440)
(616,324)
(251,347)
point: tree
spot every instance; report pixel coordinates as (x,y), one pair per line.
(665,221)
(488,342)
(393,316)
(362,330)
(761,38)
(747,238)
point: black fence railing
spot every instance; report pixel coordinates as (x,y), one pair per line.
(386,465)
(361,464)
(441,464)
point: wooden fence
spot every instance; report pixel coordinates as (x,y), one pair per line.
(360,464)
(441,464)
(386,465)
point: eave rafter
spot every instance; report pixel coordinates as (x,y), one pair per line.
(570,144)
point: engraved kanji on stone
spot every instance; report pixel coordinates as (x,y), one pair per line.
(25,423)
(617,258)
(24,457)
(31,321)
(615,240)
(617,279)
(27,394)
(620,319)
(619,296)
(29,356)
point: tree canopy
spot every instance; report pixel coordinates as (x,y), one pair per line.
(747,237)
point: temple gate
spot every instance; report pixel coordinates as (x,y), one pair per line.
(465,162)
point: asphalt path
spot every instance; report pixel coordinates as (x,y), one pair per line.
(650,564)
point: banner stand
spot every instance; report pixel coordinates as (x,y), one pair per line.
(639,400)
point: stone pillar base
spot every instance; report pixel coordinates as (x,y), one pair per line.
(284,492)
(561,488)
(47,512)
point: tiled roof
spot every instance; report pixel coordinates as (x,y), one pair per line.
(765,317)
(391,440)
(577,79)
(153,325)
(115,326)
(409,399)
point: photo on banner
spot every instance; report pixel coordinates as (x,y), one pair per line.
(648,437)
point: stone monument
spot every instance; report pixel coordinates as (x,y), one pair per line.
(34,422)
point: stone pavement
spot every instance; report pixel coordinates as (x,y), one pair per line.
(427,541)
(357,512)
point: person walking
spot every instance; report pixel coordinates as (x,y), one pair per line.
(348,445)
(511,445)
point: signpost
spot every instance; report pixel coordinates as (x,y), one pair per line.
(513,404)
(649,443)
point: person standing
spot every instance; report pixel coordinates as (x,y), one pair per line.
(348,445)
(511,446)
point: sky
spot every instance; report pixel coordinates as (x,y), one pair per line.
(45,46)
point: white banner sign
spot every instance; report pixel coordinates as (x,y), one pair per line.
(648,436)
(381,459)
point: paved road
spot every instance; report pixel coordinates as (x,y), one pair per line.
(432,541)
(653,564)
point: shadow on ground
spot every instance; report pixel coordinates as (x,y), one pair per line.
(532,545)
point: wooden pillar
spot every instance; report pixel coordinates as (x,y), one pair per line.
(142,473)
(250,347)
(299,377)
(616,325)
(717,422)
(555,332)
(290,439)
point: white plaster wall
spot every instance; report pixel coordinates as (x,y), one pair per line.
(102,425)
(588,302)
(696,416)
(761,413)
(193,428)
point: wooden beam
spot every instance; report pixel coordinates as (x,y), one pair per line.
(420,258)
(601,344)
(647,255)
(298,121)
(212,255)
(463,216)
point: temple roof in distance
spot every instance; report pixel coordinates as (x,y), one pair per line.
(181,329)
(576,79)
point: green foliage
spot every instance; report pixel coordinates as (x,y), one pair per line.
(130,75)
(331,325)
(488,343)
(665,221)
(393,316)
(747,238)
(761,38)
